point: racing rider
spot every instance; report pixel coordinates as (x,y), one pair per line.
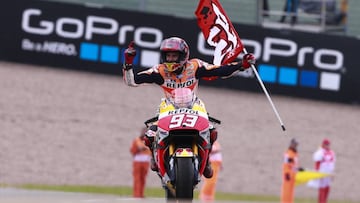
(176,70)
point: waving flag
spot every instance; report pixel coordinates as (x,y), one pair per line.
(303,177)
(218,31)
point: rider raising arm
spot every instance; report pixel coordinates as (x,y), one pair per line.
(176,69)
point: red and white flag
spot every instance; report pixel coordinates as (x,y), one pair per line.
(221,34)
(218,31)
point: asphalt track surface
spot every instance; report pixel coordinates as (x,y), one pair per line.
(12,195)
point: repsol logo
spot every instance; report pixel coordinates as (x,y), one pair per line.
(33,22)
(174,84)
(323,58)
(182,111)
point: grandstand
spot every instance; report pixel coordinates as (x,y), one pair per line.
(240,11)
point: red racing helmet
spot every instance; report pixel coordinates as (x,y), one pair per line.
(174,44)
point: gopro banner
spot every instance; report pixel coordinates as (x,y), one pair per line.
(75,36)
(292,63)
(315,66)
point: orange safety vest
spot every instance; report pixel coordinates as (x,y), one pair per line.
(208,190)
(289,169)
(140,151)
(141,161)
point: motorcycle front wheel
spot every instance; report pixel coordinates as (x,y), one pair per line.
(184,183)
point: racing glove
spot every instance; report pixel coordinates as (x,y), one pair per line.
(248,60)
(129,54)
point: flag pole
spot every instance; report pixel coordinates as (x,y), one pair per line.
(266,93)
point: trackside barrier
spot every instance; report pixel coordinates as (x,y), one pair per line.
(292,63)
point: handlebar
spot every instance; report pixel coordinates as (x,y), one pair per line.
(151,120)
(214,120)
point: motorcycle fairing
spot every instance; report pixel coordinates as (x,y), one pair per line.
(192,120)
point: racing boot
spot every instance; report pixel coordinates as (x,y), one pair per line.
(208,171)
(213,135)
(153,165)
(149,143)
(150,136)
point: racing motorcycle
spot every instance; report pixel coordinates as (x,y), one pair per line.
(181,143)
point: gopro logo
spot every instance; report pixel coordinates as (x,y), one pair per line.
(324,64)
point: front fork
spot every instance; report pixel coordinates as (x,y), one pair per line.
(195,149)
(184,152)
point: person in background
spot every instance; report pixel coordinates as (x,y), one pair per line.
(324,159)
(344,7)
(341,15)
(289,170)
(208,190)
(141,162)
(333,14)
(290,9)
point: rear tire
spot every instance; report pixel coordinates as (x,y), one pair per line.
(184,183)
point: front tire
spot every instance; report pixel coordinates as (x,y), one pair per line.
(184,183)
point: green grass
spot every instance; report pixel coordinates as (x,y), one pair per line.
(156,192)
